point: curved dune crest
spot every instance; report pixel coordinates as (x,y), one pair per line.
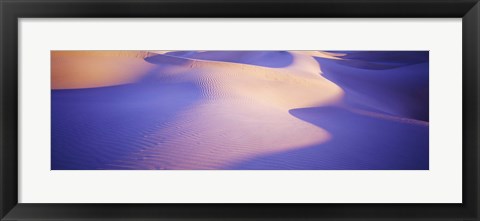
(267,85)
(400,90)
(273,59)
(300,61)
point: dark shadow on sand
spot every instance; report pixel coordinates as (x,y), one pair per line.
(399,87)
(358,143)
(272,59)
(95,127)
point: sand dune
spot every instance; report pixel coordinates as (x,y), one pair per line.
(233,110)
(88,69)
(401,89)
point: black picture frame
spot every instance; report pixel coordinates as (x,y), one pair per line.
(11,10)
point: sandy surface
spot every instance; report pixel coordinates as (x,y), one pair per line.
(239,110)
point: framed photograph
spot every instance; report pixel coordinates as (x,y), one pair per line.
(231,110)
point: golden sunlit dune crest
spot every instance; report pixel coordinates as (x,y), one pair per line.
(88,69)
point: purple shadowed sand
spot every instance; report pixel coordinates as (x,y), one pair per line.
(240,110)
